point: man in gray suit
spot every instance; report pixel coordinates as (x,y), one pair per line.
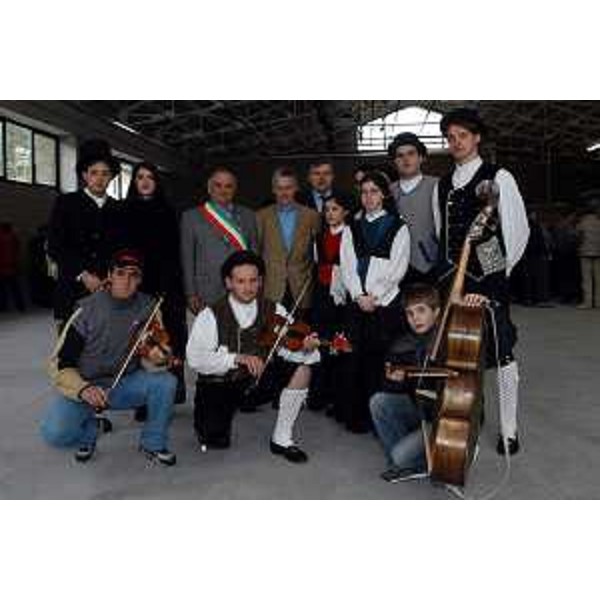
(210,233)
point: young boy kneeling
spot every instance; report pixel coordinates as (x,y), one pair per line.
(396,415)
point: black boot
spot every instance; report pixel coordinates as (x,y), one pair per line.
(512,443)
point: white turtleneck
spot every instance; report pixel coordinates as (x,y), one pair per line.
(208,357)
(408,185)
(511,208)
(99,200)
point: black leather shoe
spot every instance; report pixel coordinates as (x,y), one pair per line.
(291,453)
(513,446)
(84,453)
(220,443)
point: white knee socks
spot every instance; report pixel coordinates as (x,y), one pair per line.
(508,381)
(290,404)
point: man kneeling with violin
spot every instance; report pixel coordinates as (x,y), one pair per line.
(244,352)
(104,361)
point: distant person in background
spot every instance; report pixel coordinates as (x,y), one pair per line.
(535,271)
(565,268)
(86,228)
(588,231)
(357,176)
(9,268)
(154,232)
(413,193)
(41,281)
(211,232)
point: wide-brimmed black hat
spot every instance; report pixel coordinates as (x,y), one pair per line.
(94,151)
(463,117)
(406,139)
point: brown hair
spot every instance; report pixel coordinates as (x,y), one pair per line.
(421,293)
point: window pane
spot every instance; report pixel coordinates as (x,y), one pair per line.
(45,159)
(126,172)
(1,149)
(19,156)
(114,188)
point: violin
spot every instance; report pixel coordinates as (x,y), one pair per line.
(155,349)
(292,335)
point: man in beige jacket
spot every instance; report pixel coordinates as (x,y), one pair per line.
(286,235)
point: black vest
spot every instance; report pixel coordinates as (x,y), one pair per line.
(458,209)
(238,340)
(384,247)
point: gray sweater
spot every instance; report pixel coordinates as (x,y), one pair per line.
(99,338)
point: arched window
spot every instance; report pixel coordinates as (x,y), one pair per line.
(376,135)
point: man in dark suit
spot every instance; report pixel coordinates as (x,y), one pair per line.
(321,177)
(86,228)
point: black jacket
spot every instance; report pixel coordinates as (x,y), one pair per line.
(82,237)
(154,231)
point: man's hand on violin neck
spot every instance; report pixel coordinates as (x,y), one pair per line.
(311,342)
(195,303)
(94,396)
(254,364)
(475,300)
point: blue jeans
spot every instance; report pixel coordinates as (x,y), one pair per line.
(69,423)
(397,422)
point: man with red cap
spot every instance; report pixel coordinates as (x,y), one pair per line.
(93,370)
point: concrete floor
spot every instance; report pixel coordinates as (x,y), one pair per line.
(560,429)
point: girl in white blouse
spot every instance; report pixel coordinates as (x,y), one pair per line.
(374,258)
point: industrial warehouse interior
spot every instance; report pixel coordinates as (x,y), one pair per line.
(277,346)
(548,146)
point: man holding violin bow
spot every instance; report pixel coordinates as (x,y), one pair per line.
(101,362)
(241,352)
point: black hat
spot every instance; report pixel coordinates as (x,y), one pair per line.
(463,117)
(127,258)
(406,139)
(94,151)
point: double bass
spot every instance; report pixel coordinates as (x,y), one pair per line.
(451,444)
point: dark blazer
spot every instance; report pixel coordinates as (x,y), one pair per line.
(82,237)
(305,197)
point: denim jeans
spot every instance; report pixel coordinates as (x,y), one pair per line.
(397,422)
(69,423)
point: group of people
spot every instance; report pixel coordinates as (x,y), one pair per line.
(365,277)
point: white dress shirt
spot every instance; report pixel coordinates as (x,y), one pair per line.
(511,209)
(384,274)
(207,356)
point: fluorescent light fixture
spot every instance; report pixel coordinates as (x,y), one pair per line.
(594,147)
(126,127)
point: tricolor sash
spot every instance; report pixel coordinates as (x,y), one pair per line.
(224,225)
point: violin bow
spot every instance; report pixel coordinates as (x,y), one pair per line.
(137,343)
(283,331)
